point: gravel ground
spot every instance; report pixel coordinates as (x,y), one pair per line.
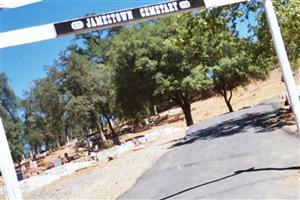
(107,180)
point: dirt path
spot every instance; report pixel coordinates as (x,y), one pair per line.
(107,180)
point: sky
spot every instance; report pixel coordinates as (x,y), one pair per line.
(23,64)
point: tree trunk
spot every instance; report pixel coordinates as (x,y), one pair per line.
(35,152)
(155,110)
(71,134)
(47,145)
(98,126)
(185,105)
(86,130)
(110,125)
(229,106)
(186,108)
(99,131)
(227,99)
(31,152)
(57,143)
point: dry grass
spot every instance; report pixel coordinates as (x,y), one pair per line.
(243,97)
(120,176)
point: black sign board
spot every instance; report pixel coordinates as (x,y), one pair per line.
(118,18)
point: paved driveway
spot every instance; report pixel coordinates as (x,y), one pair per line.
(241,155)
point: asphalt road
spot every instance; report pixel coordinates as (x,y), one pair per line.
(241,155)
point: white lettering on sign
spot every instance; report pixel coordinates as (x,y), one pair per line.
(159,9)
(118,18)
(113,18)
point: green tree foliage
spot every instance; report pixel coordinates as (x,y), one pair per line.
(148,65)
(134,55)
(96,44)
(105,93)
(82,85)
(43,110)
(288,15)
(68,101)
(10,119)
(179,78)
(95,48)
(50,99)
(208,41)
(127,70)
(34,123)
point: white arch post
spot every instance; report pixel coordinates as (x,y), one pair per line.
(283,60)
(12,189)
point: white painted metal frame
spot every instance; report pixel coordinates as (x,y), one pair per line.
(16,3)
(27,35)
(12,190)
(283,60)
(218,3)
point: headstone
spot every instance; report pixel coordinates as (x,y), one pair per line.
(33,164)
(20,174)
(57,162)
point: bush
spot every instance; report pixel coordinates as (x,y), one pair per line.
(106,144)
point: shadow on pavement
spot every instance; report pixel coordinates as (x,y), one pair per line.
(261,122)
(229,176)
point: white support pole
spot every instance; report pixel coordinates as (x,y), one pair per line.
(16,3)
(27,35)
(12,190)
(218,3)
(283,60)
